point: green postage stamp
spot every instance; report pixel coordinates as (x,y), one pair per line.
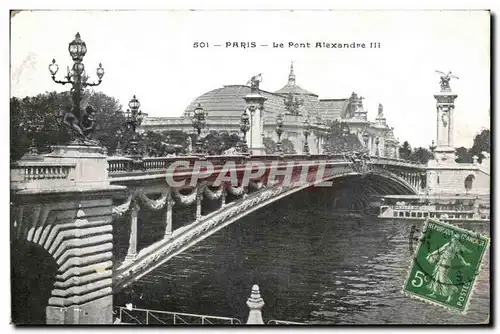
(445,265)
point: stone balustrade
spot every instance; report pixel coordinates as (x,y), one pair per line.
(121,166)
(35,173)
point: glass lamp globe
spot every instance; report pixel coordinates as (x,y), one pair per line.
(134,103)
(77,48)
(100,71)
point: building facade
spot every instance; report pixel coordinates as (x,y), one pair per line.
(225,105)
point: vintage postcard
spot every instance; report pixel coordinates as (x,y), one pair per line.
(234,167)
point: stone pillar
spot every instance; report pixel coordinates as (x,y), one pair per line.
(445,106)
(70,218)
(132,247)
(168,216)
(255,108)
(255,303)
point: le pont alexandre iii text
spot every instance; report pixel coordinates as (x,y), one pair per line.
(290,45)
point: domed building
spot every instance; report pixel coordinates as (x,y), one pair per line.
(224,107)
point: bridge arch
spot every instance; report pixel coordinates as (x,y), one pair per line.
(71,241)
(33,275)
(153,256)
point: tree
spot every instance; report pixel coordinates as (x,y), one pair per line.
(405,151)
(40,118)
(269,145)
(481,144)
(287,146)
(215,143)
(463,155)
(340,139)
(421,155)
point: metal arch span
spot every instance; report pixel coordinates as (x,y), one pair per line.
(184,238)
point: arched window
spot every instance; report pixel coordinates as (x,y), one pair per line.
(468,182)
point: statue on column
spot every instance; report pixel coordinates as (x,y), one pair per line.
(380,110)
(445,80)
(255,81)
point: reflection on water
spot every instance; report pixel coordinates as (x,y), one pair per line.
(310,268)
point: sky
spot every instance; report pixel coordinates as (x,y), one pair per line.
(151,54)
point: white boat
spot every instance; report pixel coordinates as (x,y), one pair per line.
(449,208)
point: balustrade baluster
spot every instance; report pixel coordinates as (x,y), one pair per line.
(168,216)
(223,197)
(132,249)
(199,198)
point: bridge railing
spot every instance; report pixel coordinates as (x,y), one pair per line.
(131,315)
(34,174)
(283,322)
(120,166)
(155,317)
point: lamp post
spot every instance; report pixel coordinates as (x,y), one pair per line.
(244,127)
(307,131)
(81,122)
(432,147)
(279,132)
(199,122)
(118,149)
(377,141)
(345,133)
(133,118)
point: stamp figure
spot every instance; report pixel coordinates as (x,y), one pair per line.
(445,265)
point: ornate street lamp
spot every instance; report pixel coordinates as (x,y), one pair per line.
(81,122)
(432,146)
(118,149)
(279,132)
(307,131)
(377,141)
(345,134)
(199,122)
(244,127)
(133,118)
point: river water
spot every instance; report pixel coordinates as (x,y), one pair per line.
(310,266)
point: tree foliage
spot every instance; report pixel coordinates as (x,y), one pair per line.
(287,146)
(421,155)
(481,144)
(40,118)
(463,155)
(339,140)
(405,151)
(271,147)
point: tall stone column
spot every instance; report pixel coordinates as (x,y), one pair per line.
(445,106)
(255,108)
